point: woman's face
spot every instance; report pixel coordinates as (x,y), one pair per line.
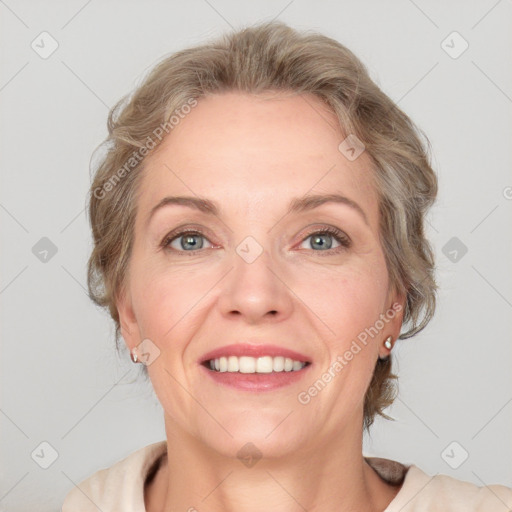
(259,271)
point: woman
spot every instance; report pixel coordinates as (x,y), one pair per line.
(258,240)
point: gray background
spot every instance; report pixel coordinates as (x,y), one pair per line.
(62,380)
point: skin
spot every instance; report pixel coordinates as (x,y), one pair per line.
(252,154)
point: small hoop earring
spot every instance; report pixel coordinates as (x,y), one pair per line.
(134,357)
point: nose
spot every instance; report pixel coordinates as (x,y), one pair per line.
(255,289)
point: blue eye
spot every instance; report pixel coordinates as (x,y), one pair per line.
(193,240)
(323,240)
(187,241)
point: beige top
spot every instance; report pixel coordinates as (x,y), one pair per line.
(121,488)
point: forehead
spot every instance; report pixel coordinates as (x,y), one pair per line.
(257,150)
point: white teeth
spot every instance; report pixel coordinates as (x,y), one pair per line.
(233,365)
(278,364)
(264,364)
(297,365)
(247,364)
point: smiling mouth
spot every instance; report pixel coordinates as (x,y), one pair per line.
(247,364)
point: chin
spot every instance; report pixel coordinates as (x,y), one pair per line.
(268,434)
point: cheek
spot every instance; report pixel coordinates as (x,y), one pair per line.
(163,296)
(349,302)
(347,298)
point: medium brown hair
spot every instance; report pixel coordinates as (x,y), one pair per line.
(257,59)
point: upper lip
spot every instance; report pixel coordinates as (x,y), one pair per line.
(251,350)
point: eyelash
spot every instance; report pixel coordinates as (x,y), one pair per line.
(344,240)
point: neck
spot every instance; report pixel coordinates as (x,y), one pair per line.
(331,475)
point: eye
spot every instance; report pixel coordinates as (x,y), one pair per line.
(184,241)
(193,240)
(323,240)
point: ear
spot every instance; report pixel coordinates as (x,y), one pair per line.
(396,304)
(129,326)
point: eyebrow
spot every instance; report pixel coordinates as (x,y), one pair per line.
(297,205)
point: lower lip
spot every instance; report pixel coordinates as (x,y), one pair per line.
(257,381)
